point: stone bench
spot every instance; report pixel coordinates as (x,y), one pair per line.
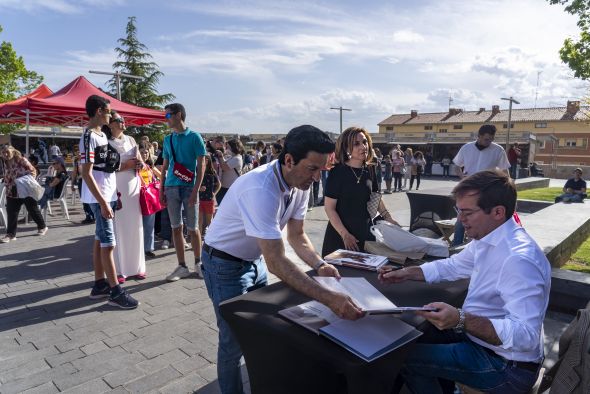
(559,230)
(531,183)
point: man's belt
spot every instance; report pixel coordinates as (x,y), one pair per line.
(222,255)
(526,365)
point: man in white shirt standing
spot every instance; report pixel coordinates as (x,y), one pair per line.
(248,226)
(479,155)
(494,342)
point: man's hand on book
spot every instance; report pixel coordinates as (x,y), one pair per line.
(329,270)
(344,307)
(446,317)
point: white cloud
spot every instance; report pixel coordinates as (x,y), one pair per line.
(58,6)
(407,36)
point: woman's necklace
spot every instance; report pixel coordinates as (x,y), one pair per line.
(358,177)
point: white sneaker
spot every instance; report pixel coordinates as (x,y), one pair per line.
(178,273)
(43,231)
(7,238)
(165,244)
(199,270)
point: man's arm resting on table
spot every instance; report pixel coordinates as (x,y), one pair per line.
(304,249)
(273,251)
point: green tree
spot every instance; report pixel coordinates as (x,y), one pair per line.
(15,79)
(576,53)
(135,59)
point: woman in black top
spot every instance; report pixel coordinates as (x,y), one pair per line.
(348,189)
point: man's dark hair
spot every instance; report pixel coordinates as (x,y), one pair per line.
(304,139)
(175,108)
(494,188)
(93,103)
(487,129)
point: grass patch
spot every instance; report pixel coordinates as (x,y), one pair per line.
(580,261)
(541,194)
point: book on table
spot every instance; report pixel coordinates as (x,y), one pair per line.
(349,258)
(369,337)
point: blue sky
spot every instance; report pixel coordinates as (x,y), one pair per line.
(267,66)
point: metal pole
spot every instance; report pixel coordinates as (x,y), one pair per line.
(341,109)
(509,120)
(512,100)
(27,126)
(118,82)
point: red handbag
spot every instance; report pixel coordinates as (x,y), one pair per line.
(149,196)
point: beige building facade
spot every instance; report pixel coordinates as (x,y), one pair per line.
(557,138)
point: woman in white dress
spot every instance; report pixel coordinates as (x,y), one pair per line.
(129,254)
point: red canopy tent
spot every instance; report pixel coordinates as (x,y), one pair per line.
(66,107)
(41,91)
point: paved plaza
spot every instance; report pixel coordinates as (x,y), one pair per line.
(54,339)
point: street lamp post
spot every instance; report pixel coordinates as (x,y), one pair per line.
(511,100)
(341,109)
(118,76)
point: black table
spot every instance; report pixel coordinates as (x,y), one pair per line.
(283,357)
(430,205)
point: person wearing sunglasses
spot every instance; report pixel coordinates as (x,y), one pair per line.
(182,174)
(129,255)
(494,342)
(99,190)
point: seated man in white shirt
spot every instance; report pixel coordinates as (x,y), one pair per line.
(494,342)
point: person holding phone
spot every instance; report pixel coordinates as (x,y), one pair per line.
(494,342)
(129,256)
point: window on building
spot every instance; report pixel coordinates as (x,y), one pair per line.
(505,125)
(389,128)
(572,142)
(442,130)
(542,144)
(428,127)
(541,125)
(457,126)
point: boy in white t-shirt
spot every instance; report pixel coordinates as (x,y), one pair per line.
(100,192)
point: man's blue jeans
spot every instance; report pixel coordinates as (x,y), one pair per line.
(226,279)
(455,357)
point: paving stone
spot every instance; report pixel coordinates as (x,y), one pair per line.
(32,367)
(209,372)
(47,388)
(120,339)
(63,358)
(190,364)
(153,381)
(186,384)
(37,379)
(22,358)
(93,368)
(94,347)
(94,386)
(162,361)
(123,376)
(14,352)
(90,338)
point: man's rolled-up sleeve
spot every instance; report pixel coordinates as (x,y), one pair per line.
(456,267)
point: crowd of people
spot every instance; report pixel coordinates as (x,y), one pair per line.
(233,206)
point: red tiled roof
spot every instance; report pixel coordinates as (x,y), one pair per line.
(518,115)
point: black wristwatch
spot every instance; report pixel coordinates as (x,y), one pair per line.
(460,327)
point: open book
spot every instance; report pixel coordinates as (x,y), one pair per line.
(369,337)
(349,258)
